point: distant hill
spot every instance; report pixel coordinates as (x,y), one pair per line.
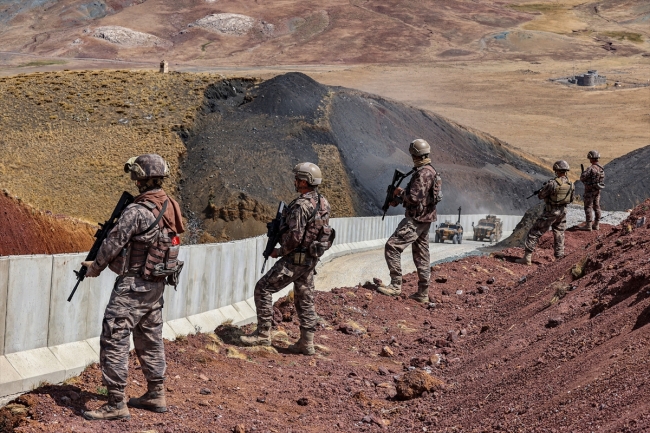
(321,32)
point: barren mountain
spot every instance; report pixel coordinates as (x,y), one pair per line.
(331,31)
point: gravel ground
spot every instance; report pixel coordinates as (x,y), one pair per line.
(576,215)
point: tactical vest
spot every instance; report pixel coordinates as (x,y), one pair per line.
(562,195)
(154,261)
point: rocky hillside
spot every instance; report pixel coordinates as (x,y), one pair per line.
(26,230)
(249,135)
(557,346)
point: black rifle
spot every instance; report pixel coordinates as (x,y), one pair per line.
(101,234)
(534,193)
(273,233)
(582,168)
(398,177)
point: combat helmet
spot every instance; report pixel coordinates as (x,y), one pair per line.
(561,165)
(419,147)
(147,166)
(309,172)
(593,154)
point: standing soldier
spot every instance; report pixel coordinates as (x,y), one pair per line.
(138,241)
(302,229)
(593,178)
(419,198)
(557,193)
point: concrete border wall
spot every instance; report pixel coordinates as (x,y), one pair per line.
(45,338)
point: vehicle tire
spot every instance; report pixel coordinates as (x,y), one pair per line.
(455,239)
(437,238)
(475,238)
(492,238)
(460,239)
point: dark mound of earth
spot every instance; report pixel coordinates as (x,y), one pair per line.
(627,181)
(243,145)
(25,230)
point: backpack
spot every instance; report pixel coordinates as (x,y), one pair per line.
(319,235)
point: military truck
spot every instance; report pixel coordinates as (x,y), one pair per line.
(449,231)
(488,228)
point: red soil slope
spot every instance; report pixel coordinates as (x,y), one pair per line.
(555,347)
(25,230)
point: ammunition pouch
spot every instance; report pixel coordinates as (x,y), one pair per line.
(301,257)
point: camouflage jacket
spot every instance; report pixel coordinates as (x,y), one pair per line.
(592,176)
(298,216)
(135,219)
(549,189)
(417,198)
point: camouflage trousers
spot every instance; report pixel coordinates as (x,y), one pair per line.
(409,232)
(135,306)
(283,273)
(592,201)
(554,217)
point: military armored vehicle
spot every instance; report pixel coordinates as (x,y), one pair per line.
(488,228)
(449,231)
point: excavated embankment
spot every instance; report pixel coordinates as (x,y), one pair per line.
(250,134)
(26,230)
(559,346)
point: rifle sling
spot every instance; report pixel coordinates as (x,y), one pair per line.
(158,218)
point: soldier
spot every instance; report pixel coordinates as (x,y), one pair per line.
(593,178)
(137,299)
(301,226)
(557,193)
(419,198)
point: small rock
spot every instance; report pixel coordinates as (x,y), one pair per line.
(203,377)
(170,389)
(434,359)
(377,281)
(452,336)
(368,296)
(239,428)
(554,322)
(387,352)
(431,305)
(490,280)
(446,292)
(418,362)
(485,328)
(482,289)
(261,400)
(441,279)
(383,371)
(463,332)
(459,292)
(65,400)
(413,383)
(304,401)
(205,391)
(352,328)
(366,419)
(204,403)
(523,279)
(74,396)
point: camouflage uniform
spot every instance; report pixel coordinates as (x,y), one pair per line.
(414,228)
(298,221)
(554,217)
(591,177)
(135,306)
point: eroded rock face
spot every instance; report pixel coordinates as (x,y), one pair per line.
(413,383)
(129,38)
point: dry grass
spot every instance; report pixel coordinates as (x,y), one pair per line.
(621,36)
(66,135)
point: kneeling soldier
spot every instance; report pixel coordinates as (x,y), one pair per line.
(557,193)
(302,231)
(143,235)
